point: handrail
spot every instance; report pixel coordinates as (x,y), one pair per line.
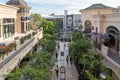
(113,54)
(15,53)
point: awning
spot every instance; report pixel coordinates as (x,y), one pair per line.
(101,36)
(93,33)
(105,36)
(24,18)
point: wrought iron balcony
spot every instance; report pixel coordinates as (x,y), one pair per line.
(96,45)
(114,55)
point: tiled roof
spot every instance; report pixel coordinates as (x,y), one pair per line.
(17,2)
(97,6)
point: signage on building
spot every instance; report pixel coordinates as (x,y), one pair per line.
(69,21)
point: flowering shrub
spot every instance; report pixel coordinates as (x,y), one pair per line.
(28,36)
(1,50)
(4,48)
(33,33)
(12,46)
(24,38)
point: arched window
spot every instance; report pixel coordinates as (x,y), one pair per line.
(112,31)
(88,26)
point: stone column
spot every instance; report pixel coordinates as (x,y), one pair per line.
(2,35)
(0,28)
(15,26)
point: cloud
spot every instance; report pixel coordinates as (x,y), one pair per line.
(58,6)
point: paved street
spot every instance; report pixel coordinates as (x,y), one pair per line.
(70,72)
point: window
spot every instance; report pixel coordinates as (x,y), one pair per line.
(8,27)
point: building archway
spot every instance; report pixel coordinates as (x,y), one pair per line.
(113,33)
(88,25)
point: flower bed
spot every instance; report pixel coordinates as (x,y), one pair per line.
(33,33)
(24,38)
(4,48)
(12,46)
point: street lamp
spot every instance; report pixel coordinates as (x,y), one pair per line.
(102,76)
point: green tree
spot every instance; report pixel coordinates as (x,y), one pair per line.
(36,21)
(80,50)
(49,27)
(77,36)
(50,37)
(48,45)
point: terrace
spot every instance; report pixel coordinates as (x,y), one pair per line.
(24,44)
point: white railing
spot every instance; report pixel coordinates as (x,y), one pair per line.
(104,50)
(13,60)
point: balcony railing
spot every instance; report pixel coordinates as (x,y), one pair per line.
(15,53)
(98,46)
(114,55)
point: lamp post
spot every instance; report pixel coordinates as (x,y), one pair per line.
(102,76)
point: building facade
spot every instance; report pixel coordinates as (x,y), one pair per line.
(104,20)
(8,19)
(23,15)
(16,38)
(77,24)
(73,22)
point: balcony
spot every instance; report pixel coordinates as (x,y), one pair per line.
(114,55)
(97,45)
(12,59)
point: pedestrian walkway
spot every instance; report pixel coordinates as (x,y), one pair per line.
(70,72)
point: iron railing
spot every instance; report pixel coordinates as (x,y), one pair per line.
(96,45)
(15,53)
(114,55)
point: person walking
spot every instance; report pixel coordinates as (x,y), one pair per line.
(70,60)
(56,55)
(58,47)
(64,45)
(57,70)
(67,59)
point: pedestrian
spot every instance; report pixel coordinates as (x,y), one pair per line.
(67,59)
(57,70)
(56,55)
(64,45)
(58,47)
(71,60)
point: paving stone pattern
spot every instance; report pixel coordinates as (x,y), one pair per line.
(71,72)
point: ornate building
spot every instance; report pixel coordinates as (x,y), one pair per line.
(105,21)
(16,38)
(23,15)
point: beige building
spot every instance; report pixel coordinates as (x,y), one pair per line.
(23,15)
(7,21)
(105,21)
(14,18)
(15,30)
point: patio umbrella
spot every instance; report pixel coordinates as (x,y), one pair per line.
(93,33)
(105,36)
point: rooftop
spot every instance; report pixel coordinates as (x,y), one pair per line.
(17,2)
(97,6)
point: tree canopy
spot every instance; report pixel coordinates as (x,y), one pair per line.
(90,62)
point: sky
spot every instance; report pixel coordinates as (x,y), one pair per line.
(46,7)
